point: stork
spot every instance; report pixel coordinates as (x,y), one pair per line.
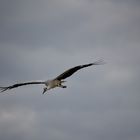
(56,82)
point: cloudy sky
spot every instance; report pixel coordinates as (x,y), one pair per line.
(39,39)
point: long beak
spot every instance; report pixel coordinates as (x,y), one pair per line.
(44,90)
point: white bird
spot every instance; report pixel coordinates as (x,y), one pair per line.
(56,82)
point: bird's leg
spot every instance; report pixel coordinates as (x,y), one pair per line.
(62,86)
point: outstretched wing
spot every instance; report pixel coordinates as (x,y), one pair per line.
(71,71)
(2,89)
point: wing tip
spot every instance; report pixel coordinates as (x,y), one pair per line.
(2,89)
(99,62)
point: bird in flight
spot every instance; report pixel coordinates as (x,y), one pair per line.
(56,82)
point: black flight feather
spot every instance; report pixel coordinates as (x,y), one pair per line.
(20,84)
(71,71)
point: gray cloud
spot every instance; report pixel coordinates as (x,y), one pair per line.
(41,39)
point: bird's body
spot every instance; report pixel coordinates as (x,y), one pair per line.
(56,82)
(52,84)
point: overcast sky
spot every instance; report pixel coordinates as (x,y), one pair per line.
(39,39)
